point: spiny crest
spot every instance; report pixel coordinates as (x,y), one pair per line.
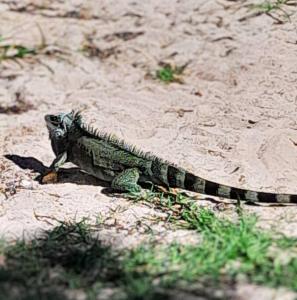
(77,118)
(114,140)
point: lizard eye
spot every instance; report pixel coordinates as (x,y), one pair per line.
(55,120)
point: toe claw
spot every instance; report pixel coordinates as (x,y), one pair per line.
(51,177)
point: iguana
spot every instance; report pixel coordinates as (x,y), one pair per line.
(113,160)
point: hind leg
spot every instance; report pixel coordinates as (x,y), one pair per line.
(126,181)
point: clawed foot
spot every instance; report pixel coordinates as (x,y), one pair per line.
(51,177)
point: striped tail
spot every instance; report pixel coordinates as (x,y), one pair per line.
(180,178)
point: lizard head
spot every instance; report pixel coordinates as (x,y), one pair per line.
(58,125)
(61,127)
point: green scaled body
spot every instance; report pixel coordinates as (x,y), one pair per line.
(125,167)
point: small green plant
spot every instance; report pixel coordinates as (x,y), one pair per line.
(274,9)
(168,73)
(268,6)
(15,51)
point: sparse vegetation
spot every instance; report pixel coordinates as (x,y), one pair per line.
(69,257)
(168,73)
(228,248)
(275,9)
(13,51)
(268,6)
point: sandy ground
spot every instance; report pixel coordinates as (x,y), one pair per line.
(239,88)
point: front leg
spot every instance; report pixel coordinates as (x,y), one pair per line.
(52,176)
(126,181)
(59,161)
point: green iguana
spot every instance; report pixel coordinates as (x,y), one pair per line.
(111,159)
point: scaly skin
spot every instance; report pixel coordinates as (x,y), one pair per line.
(112,160)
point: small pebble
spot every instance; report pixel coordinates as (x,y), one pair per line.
(26,184)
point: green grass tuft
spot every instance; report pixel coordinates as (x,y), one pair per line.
(168,73)
(274,9)
(268,6)
(15,51)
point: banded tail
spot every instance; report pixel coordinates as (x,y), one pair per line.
(180,178)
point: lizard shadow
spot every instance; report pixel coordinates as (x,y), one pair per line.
(65,175)
(75,175)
